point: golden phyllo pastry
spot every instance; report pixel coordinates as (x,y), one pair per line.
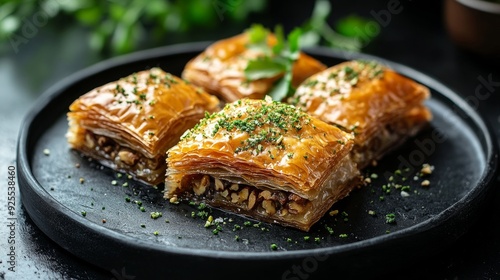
(379,106)
(220,69)
(264,159)
(129,124)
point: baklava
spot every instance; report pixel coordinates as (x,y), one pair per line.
(263,159)
(129,124)
(220,69)
(380,107)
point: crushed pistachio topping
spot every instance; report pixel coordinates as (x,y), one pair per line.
(265,121)
(134,88)
(338,82)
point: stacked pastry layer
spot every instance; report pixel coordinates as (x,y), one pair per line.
(374,103)
(129,124)
(265,159)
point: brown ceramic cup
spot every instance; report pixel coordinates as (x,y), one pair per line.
(474,25)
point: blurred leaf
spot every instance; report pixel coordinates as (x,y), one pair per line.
(172,21)
(126,38)
(199,12)
(252,6)
(97,40)
(280,39)
(8,26)
(348,35)
(6,10)
(320,13)
(116,12)
(353,26)
(257,33)
(309,39)
(156,8)
(101,35)
(74,5)
(240,9)
(89,16)
(127,18)
(121,41)
(294,42)
(26,8)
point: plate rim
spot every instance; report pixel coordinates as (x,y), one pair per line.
(26,174)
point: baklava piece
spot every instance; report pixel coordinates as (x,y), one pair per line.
(379,106)
(128,125)
(220,69)
(263,159)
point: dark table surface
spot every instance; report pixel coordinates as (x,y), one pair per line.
(415,37)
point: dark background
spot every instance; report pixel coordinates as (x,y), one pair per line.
(415,37)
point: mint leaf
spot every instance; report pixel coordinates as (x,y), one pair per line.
(257,34)
(282,88)
(277,60)
(263,67)
(294,42)
(280,38)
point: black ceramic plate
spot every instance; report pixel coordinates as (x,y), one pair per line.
(457,144)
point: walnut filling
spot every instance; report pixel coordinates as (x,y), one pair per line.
(121,157)
(386,139)
(245,198)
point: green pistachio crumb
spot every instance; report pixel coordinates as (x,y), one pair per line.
(155,215)
(329,229)
(390,218)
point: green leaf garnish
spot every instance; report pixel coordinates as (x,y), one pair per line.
(257,34)
(282,88)
(263,67)
(276,60)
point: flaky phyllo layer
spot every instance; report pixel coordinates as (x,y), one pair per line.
(379,106)
(264,159)
(129,124)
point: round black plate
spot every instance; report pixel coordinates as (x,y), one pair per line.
(117,235)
